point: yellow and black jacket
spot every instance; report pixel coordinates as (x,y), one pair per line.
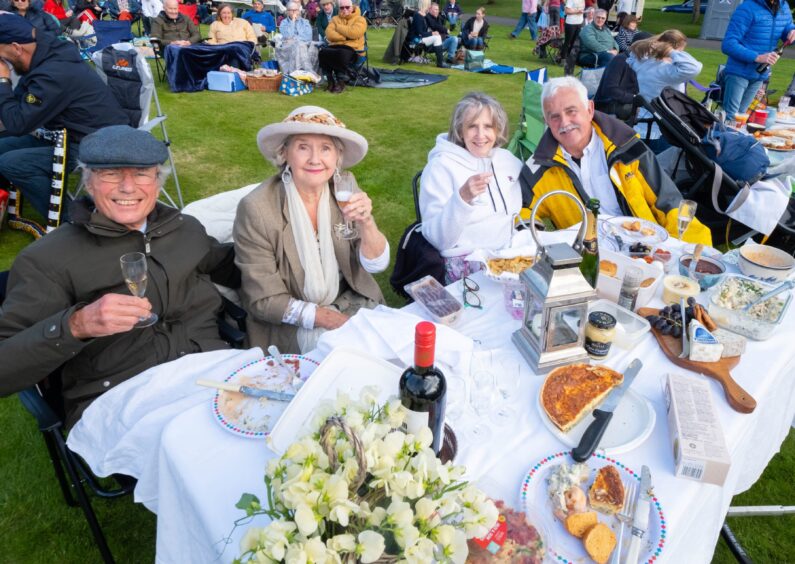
(643,189)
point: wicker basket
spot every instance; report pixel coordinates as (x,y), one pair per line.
(264,83)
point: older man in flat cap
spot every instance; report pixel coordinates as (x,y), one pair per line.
(67,304)
(56,90)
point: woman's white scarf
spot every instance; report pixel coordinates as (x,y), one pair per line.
(316,253)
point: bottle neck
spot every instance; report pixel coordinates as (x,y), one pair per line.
(590,218)
(423,358)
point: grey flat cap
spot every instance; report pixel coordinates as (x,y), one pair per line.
(120,146)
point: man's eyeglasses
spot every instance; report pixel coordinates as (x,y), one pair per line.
(471,298)
(140,177)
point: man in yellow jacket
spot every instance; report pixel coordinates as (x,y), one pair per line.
(594,155)
(345,36)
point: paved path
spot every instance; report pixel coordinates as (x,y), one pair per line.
(696,43)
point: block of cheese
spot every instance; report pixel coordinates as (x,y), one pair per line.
(733,344)
(704,347)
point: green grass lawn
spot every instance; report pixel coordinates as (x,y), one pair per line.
(213,138)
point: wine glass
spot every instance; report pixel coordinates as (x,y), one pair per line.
(344,189)
(484,166)
(506,382)
(481,398)
(134,271)
(687,211)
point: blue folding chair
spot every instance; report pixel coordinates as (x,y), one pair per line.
(106,32)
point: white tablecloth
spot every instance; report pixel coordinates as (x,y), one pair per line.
(202,469)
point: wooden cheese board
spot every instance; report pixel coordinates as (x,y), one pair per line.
(738,398)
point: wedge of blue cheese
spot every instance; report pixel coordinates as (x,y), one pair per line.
(733,344)
(704,347)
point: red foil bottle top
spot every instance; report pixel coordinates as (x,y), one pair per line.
(424,344)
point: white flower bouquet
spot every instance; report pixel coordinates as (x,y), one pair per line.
(359,489)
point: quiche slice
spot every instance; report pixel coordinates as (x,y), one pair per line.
(607,491)
(570,392)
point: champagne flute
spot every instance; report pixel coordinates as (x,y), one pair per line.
(484,166)
(687,211)
(344,189)
(134,271)
(506,382)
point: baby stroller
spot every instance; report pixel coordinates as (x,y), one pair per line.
(683,122)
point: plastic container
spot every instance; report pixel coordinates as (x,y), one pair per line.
(630,327)
(608,287)
(513,295)
(742,323)
(435,299)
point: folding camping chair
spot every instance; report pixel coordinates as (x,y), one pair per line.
(106,32)
(531,121)
(135,90)
(591,77)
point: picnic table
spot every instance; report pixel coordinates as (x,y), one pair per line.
(200,470)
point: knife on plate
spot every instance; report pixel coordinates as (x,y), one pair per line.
(593,434)
(640,522)
(247,390)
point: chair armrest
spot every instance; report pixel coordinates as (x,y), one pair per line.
(40,409)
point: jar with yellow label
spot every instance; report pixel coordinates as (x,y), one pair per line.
(599,333)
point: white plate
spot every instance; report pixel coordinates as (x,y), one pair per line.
(631,424)
(660,234)
(251,417)
(345,370)
(568,549)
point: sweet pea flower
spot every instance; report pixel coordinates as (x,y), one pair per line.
(399,514)
(371,546)
(342,543)
(420,552)
(305,519)
(452,543)
(407,537)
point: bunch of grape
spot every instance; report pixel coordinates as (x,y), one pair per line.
(671,321)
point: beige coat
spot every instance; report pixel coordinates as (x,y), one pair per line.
(267,256)
(237,30)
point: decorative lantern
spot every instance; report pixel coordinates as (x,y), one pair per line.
(556,302)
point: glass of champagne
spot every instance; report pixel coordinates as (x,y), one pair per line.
(344,189)
(484,167)
(134,270)
(687,211)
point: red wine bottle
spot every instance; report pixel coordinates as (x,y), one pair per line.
(423,388)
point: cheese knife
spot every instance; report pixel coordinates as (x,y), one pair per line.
(593,434)
(247,390)
(640,522)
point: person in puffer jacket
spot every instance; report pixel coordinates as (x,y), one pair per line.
(751,39)
(470,187)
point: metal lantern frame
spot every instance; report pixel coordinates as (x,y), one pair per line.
(556,301)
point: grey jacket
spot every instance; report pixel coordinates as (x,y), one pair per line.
(271,272)
(77,264)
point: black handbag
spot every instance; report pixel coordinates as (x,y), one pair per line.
(415,258)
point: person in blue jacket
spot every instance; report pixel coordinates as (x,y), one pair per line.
(751,39)
(33,11)
(56,90)
(259,15)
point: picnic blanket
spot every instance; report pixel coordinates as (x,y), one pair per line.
(490,67)
(187,67)
(402,78)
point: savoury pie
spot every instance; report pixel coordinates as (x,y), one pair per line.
(607,491)
(570,392)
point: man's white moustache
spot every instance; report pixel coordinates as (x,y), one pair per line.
(568,128)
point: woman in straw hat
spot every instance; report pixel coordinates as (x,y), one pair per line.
(302,273)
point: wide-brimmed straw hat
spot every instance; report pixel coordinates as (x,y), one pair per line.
(311,120)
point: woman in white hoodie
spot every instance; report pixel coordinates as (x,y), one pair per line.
(470,186)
